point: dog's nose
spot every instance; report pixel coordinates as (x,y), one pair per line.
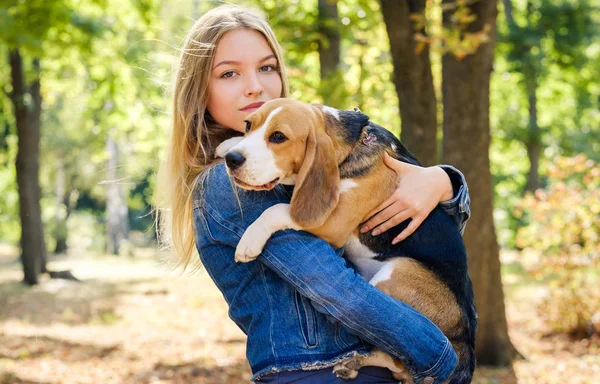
(234,160)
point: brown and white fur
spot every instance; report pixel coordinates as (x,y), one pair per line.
(335,160)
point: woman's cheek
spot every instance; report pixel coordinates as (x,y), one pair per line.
(277,87)
(217,102)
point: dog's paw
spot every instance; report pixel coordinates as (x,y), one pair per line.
(245,254)
(251,244)
(225,146)
(347,370)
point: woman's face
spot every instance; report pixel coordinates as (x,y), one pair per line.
(243,77)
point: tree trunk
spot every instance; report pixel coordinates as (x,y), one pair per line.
(362,75)
(534,140)
(62,209)
(466,145)
(329,46)
(117,227)
(4,132)
(27,116)
(331,85)
(413,80)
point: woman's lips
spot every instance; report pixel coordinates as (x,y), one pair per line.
(252,107)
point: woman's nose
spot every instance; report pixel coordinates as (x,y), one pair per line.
(253,85)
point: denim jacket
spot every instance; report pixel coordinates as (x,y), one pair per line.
(301,305)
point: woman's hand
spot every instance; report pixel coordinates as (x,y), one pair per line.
(419,192)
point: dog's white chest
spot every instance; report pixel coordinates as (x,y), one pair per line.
(362,258)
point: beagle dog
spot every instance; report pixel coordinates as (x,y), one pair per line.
(335,160)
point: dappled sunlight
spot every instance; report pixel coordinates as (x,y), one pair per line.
(126,329)
(118,327)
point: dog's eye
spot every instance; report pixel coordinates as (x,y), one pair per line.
(277,137)
(248,125)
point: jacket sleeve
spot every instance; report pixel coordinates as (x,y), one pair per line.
(459,207)
(317,272)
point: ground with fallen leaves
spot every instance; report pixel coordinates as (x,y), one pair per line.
(131,320)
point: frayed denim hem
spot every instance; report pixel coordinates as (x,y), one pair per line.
(310,366)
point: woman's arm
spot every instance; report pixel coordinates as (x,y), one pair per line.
(317,272)
(420,190)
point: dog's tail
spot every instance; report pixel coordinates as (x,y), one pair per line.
(463,372)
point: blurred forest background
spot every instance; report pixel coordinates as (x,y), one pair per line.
(508,91)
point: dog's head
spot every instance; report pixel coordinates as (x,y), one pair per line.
(287,141)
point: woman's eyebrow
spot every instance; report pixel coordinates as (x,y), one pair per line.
(271,56)
(225,62)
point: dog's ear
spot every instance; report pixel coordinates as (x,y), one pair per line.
(318,184)
(353,123)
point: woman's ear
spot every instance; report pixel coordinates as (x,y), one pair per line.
(318,184)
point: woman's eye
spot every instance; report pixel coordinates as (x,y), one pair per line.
(228,74)
(277,137)
(248,125)
(267,68)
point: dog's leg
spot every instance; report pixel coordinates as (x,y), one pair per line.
(273,219)
(348,369)
(225,146)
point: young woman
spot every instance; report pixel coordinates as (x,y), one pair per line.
(302,306)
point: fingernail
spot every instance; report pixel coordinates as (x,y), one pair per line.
(395,241)
(376,232)
(364,229)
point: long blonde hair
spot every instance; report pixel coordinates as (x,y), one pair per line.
(195,135)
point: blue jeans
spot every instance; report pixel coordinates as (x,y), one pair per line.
(366,375)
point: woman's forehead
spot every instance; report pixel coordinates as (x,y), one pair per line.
(241,44)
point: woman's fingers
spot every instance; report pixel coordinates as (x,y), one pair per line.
(417,194)
(393,221)
(410,228)
(381,214)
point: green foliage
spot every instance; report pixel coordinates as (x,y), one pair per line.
(94,56)
(9,208)
(367,63)
(549,32)
(107,64)
(9,203)
(563,238)
(552,43)
(364,79)
(457,37)
(29,24)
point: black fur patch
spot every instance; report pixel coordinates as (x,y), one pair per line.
(353,123)
(367,152)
